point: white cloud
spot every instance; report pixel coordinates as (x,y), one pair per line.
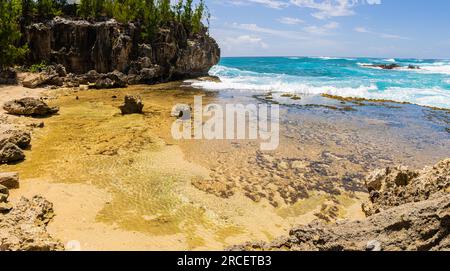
(290,20)
(321,30)
(275,4)
(274,32)
(325,9)
(381,35)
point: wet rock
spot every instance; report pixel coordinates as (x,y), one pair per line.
(132,105)
(11,153)
(9,179)
(29,107)
(23,228)
(210,78)
(384,66)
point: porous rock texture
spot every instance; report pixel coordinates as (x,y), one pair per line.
(408,210)
(24,227)
(107,46)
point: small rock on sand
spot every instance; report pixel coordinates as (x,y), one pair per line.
(132,105)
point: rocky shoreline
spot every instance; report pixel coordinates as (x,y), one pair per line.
(408,210)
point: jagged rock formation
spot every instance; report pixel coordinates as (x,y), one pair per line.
(82,46)
(393,187)
(24,227)
(12,141)
(412,212)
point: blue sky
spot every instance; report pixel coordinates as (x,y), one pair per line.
(375,28)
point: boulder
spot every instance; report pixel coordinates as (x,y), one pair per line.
(20,138)
(11,153)
(132,105)
(9,179)
(113,79)
(104,83)
(23,226)
(33,80)
(29,107)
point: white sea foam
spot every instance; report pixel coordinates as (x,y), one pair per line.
(238,80)
(390,60)
(333,58)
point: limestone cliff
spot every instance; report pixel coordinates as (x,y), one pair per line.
(82,46)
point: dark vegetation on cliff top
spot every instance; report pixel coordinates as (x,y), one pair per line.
(15,15)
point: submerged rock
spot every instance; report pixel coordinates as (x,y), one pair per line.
(132,105)
(23,227)
(29,107)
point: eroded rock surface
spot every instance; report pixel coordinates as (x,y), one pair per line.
(29,107)
(413,214)
(395,186)
(24,227)
(82,46)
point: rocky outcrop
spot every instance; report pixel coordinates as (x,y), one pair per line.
(392,66)
(29,107)
(409,211)
(12,141)
(132,105)
(81,46)
(23,228)
(395,186)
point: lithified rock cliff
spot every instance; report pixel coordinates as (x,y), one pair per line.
(108,46)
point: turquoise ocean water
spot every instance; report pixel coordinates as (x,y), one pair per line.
(430,85)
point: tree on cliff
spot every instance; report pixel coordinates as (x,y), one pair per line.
(10,52)
(47,9)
